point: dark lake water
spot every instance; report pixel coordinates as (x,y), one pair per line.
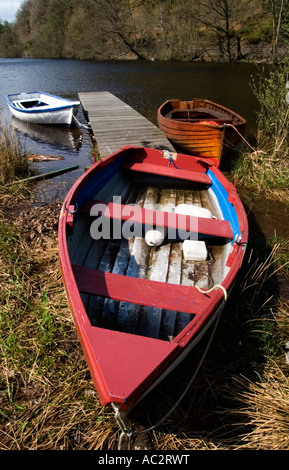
(143,85)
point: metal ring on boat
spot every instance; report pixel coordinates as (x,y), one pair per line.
(69,211)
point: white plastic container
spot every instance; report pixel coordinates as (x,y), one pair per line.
(195,250)
(196,211)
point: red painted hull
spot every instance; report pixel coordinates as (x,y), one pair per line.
(201,127)
(124,366)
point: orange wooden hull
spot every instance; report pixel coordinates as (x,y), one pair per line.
(201,127)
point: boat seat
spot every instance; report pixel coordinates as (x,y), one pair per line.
(203,120)
(28,104)
(169,171)
(140,291)
(200,114)
(193,224)
(18,104)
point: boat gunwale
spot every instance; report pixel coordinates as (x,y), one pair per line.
(221,108)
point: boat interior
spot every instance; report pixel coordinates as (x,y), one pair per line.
(29,104)
(197,110)
(132,256)
(197,116)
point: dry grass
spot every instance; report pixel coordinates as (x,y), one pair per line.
(265,408)
(264,171)
(47,398)
(48,401)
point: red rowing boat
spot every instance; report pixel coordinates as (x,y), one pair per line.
(150,245)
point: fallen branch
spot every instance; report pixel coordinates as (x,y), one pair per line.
(45,176)
(43,158)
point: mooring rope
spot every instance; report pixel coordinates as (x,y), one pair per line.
(125,431)
(242,137)
(84,126)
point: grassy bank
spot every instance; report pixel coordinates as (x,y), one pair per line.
(264,166)
(239,400)
(47,398)
(48,401)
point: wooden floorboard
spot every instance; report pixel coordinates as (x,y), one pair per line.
(115,124)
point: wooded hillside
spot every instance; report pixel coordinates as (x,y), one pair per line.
(220,30)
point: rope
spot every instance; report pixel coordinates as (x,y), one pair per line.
(242,137)
(218,286)
(171,160)
(129,432)
(87,127)
(124,430)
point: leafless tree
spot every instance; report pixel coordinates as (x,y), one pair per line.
(277,8)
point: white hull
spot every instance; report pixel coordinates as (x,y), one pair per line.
(53,117)
(41,108)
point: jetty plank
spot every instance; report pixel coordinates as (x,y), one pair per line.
(115,124)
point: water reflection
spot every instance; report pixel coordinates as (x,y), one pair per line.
(69,138)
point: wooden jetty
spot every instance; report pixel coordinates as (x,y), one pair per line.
(115,124)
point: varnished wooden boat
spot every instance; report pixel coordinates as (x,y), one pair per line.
(141,305)
(201,127)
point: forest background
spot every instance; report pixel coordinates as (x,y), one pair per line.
(188,30)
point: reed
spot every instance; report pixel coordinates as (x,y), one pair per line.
(264,409)
(266,167)
(13,161)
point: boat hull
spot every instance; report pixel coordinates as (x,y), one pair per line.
(139,310)
(201,127)
(41,108)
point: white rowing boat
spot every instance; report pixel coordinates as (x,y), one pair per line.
(41,108)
